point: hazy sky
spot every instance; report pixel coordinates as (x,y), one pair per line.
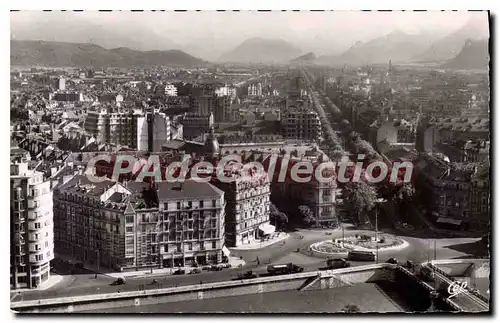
(323,32)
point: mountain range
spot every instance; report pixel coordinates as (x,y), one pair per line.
(309,57)
(474,55)
(396,46)
(450,45)
(60,54)
(260,50)
(402,47)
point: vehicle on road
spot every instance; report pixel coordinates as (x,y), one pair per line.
(337,263)
(119,281)
(179,272)
(284,269)
(195,271)
(393,261)
(357,255)
(427,274)
(216,268)
(248,275)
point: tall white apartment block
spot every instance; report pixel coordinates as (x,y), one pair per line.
(32,233)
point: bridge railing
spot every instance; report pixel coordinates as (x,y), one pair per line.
(447,301)
(453,279)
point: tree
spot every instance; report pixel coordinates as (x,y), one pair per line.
(403,197)
(351,309)
(359,198)
(306,215)
(277,217)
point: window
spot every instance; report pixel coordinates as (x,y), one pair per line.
(165,206)
(190,246)
(214,244)
(201,204)
(144,219)
(129,219)
(165,248)
(190,204)
(202,245)
(129,229)
(38,225)
(213,203)
(178,205)
(178,247)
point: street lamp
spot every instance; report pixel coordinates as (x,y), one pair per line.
(376,233)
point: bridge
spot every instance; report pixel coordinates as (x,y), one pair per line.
(423,295)
(445,272)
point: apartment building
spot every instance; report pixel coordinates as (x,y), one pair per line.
(255,89)
(67,97)
(247,208)
(301,123)
(170,90)
(135,129)
(222,112)
(139,225)
(32,235)
(195,125)
(319,196)
(458,194)
(202,105)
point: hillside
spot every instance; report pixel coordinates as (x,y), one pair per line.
(449,46)
(474,55)
(58,54)
(396,46)
(309,57)
(259,50)
(76,27)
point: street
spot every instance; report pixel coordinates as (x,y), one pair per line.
(419,250)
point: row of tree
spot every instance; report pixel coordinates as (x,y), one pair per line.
(360,198)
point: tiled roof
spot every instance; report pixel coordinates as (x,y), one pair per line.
(188,190)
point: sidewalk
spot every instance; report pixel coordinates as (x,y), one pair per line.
(155,272)
(258,245)
(53,280)
(152,272)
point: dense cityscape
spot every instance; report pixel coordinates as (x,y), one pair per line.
(95,229)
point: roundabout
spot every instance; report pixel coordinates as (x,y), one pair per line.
(341,247)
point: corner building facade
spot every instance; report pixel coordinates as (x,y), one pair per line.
(32,235)
(139,225)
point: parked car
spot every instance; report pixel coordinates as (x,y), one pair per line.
(337,263)
(195,271)
(119,281)
(392,261)
(284,269)
(216,268)
(226,265)
(248,275)
(179,272)
(358,255)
